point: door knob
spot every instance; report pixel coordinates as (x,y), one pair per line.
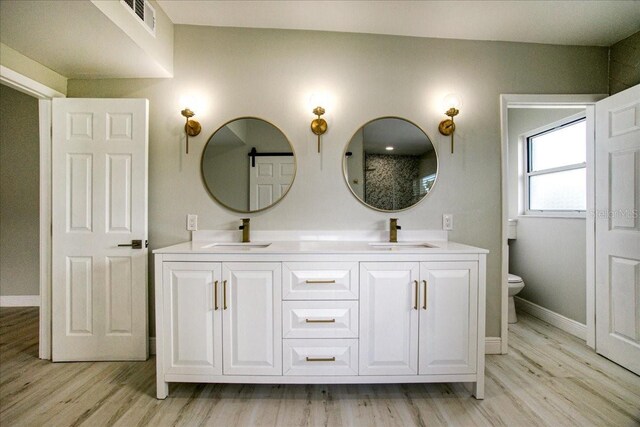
(135,244)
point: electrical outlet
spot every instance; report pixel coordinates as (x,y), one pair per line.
(447,222)
(192,222)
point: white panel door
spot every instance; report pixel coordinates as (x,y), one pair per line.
(448,318)
(192,317)
(252,318)
(617,172)
(389,318)
(99,182)
(269,179)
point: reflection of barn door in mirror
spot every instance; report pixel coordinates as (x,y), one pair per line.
(99,202)
(269,179)
(617,169)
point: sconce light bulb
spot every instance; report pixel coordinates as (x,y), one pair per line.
(389,148)
(452,100)
(318,100)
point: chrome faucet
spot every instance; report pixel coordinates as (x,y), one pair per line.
(246,230)
(393,230)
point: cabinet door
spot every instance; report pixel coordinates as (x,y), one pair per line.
(448,317)
(388,318)
(252,320)
(193,325)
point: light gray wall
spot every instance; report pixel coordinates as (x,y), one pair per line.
(272,73)
(624,64)
(19,194)
(549,253)
(550,256)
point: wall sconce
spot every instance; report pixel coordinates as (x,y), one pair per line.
(318,125)
(452,103)
(191,127)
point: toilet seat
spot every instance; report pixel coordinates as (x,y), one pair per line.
(516,284)
(514,279)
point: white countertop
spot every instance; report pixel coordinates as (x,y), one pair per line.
(323,242)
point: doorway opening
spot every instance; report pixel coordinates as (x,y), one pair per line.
(523,117)
(44,95)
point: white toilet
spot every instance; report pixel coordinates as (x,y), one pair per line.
(515,285)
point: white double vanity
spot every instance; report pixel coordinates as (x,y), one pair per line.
(320,308)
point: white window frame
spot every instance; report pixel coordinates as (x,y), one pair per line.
(526,174)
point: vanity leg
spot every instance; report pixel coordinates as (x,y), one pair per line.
(478,388)
(162,390)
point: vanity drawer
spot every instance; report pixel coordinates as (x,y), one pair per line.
(320,356)
(320,280)
(320,319)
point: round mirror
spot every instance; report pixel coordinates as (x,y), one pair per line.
(248,165)
(390,164)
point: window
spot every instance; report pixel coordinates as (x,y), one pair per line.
(555,160)
(422,186)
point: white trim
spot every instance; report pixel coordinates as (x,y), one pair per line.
(591,228)
(27,85)
(504,170)
(576,329)
(540,101)
(20,301)
(492,345)
(44,112)
(561,214)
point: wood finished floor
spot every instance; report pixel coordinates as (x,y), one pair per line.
(549,378)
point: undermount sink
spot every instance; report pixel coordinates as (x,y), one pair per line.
(235,246)
(401,245)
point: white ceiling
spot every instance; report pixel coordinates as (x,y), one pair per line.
(575,22)
(76,40)
(73,38)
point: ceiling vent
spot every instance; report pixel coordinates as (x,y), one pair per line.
(145,13)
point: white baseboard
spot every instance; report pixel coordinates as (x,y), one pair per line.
(493,345)
(20,301)
(576,329)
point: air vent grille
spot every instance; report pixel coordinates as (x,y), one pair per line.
(140,8)
(144,11)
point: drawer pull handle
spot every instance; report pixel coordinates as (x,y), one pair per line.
(224,294)
(321,359)
(321,281)
(320,320)
(424,305)
(215,295)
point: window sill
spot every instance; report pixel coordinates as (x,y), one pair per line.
(581,215)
